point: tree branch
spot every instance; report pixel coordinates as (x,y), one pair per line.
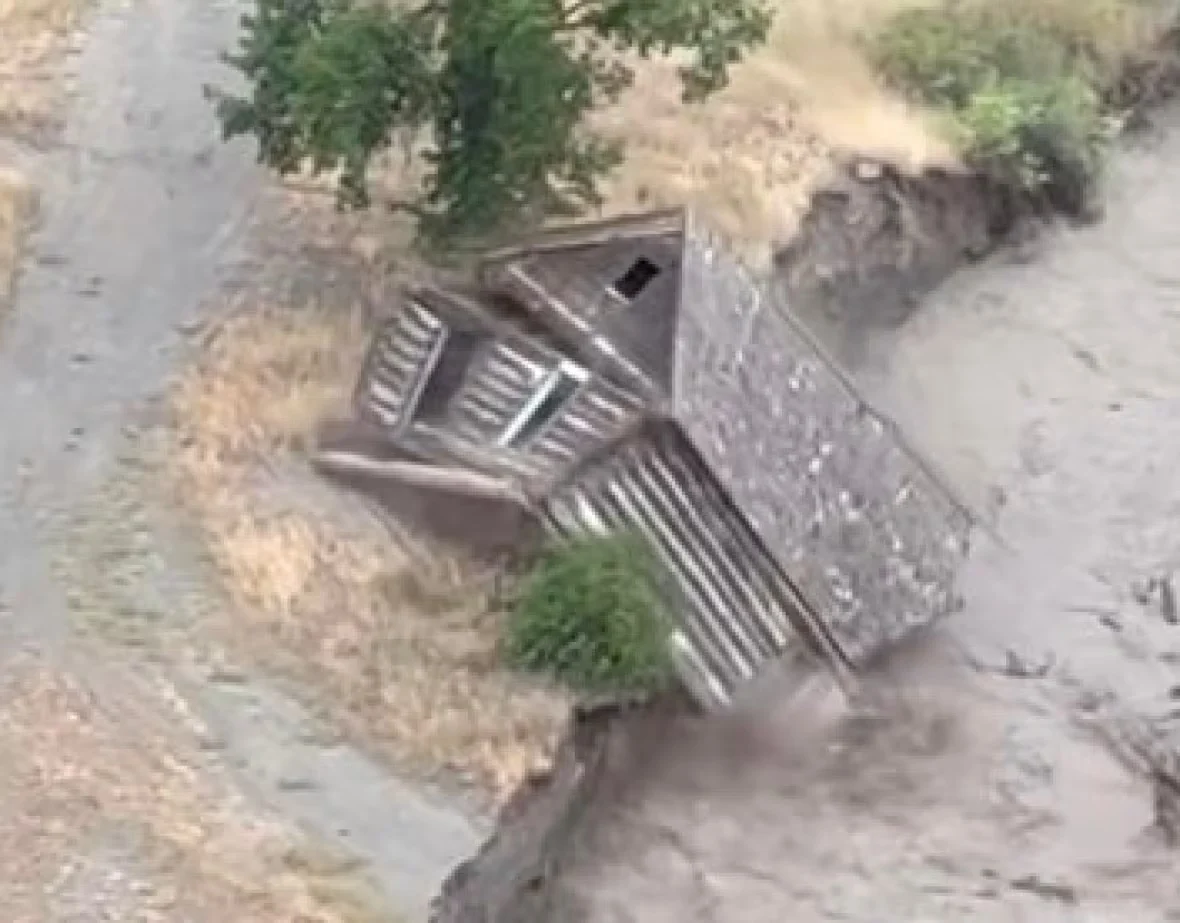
(431,8)
(572,15)
(410,208)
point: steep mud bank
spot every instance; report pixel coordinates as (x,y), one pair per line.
(872,245)
(512,875)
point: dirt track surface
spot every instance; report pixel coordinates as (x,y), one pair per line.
(135,771)
(1002,783)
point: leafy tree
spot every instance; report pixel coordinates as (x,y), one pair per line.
(493,93)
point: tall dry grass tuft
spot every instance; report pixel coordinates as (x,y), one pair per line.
(398,639)
(33,34)
(18,206)
(24,18)
(752,155)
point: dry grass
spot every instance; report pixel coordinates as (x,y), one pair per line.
(33,33)
(398,638)
(753,154)
(18,202)
(104,811)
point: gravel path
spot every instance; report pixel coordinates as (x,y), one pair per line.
(146,216)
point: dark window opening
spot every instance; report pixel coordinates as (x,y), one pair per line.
(558,393)
(447,376)
(631,283)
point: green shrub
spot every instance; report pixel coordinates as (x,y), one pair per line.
(591,615)
(1021,98)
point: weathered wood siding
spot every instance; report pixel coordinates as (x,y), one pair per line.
(738,614)
(503,377)
(577,290)
(402,352)
(595,415)
(497,388)
(581,279)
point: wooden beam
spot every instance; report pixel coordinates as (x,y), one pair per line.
(657,223)
(419,474)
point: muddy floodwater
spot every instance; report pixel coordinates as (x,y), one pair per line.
(997,786)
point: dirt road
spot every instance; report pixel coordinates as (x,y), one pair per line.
(1050,392)
(127,777)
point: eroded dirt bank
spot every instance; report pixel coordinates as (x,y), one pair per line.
(1007,780)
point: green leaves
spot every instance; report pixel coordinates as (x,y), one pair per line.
(367,75)
(510,147)
(718,32)
(331,86)
(591,615)
(499,90)
(1021,98)
(272,38)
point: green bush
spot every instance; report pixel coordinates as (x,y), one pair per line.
(591,615)
(1021,99)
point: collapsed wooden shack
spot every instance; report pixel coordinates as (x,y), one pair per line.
(632,375)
